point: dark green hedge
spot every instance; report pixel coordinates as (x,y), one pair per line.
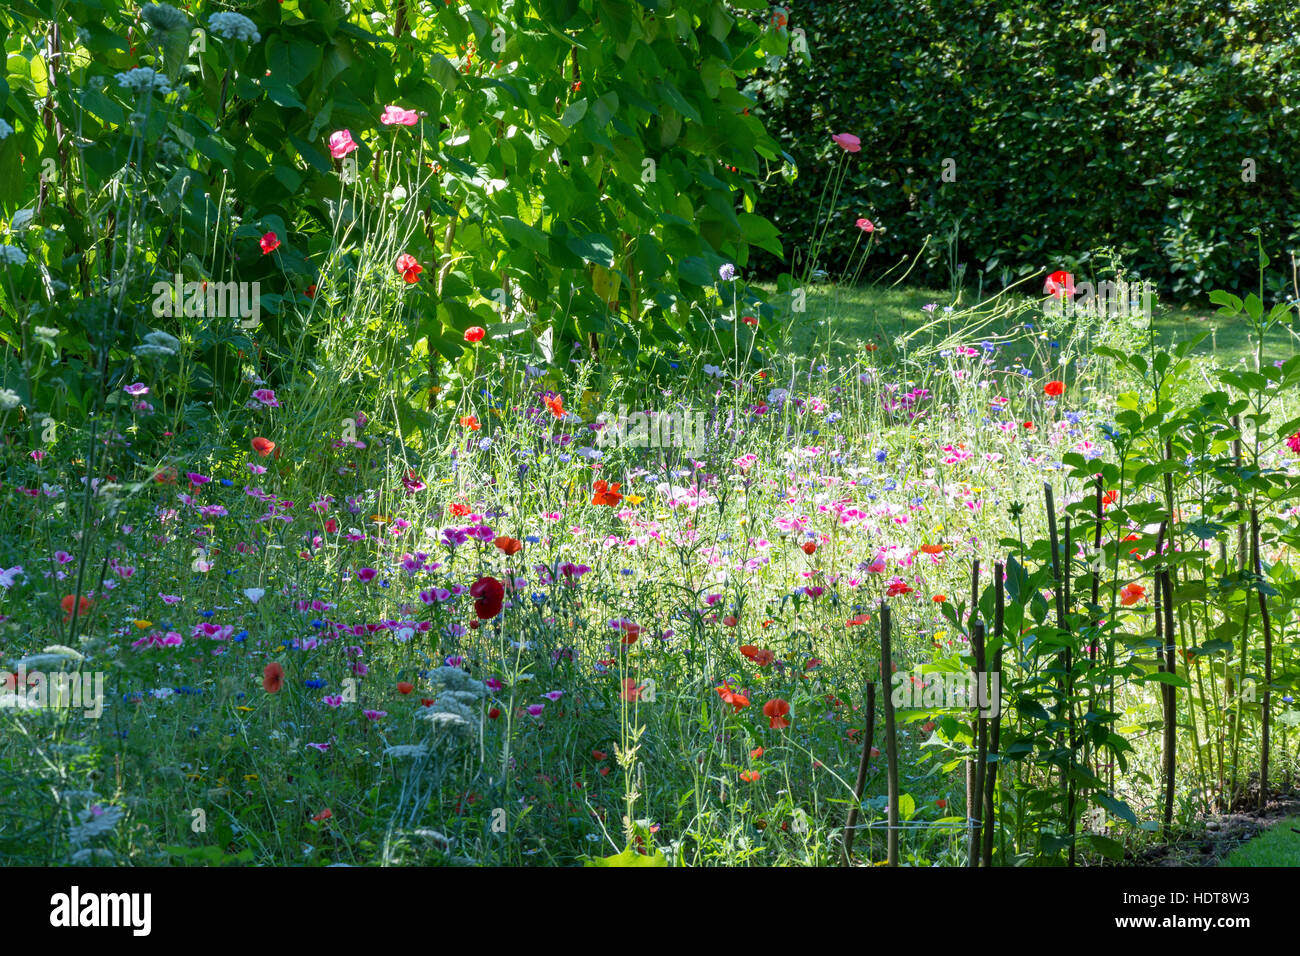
(1059,148)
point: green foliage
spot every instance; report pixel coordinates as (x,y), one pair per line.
(1059,145)
(580,167)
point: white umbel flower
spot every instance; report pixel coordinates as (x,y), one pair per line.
(234,26)
(163,17)
(143,80)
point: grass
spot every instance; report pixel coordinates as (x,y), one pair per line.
(844,318)
(1279,845)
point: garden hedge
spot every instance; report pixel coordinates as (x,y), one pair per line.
(1160,129)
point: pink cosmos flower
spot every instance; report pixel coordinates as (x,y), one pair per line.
(341,143)
(395,114)
(848,142)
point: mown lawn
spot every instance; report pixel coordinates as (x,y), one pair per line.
(1279,845)
(845,318)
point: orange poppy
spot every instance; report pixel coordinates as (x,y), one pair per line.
(1130,594)
(273,678)
(775,711)
(606,494)
(263,446)
(470,422)
(509,545)
(323,815)
(556,405)
(932,548)
(750,776)
(405,687)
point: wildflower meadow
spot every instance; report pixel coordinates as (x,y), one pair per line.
(422,447)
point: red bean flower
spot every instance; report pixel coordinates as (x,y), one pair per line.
(269,243)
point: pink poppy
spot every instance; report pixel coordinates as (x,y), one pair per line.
(395,114)
(848,142)
(341,143)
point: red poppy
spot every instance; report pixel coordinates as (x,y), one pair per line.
(494,713)
(405,687)
(1054,389)
(273,678)
(775,711)
(458,509)
(1058,283)
(269,243)
(470,422)
(323,815)
(631,631)
(606,494)
(939,599)
(729,696)
(932,548)
(474,334)
(750,776)
(556,404)
(263,446)
(856,621)
(941,803)
(598,755)
(1028,426)
(488,594)
(809,547)
(896,588)
(83,606)
(631,690)
(509,545)
(409,268)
